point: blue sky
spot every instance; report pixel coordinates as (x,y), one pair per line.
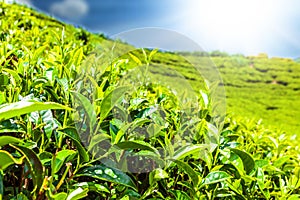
(235,26)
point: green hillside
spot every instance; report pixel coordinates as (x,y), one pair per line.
(257,87)
(85,117)
(261,88)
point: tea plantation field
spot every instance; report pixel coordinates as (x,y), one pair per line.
(81,119)
(257,87)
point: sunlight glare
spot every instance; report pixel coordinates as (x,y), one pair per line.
(246,22)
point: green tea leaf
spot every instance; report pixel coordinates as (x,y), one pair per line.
(12,130)
(261,182)
(96,139)
(22,196)
(59,196)
(79,193)
(189,170)
(137,144)
(61,158)
(99,188)
(280,161)
(78,56)
(294,197)
(152,53)
(14,74)
(36,168)
(107,174)
(63,82)
(234,159)
(50,122)
(136,123)
(11,110)
(157,175)
(5,140)
(2,97)
(192,150)
(88,108)
(247,159)
(182,195)
(7,159)
(216,177)
(110,100)
(37,54)
(135,59)
(82,151)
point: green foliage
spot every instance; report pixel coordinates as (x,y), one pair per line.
(69,130)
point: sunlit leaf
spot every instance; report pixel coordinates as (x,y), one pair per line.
(294,197)
(135,59)
(192,150)
(61,158)
(247,159)
(78,56)
(11,110)
(157,175)
(78,193)
(99,188)
(216,177)
(5,140)
(108,174)
(7,159)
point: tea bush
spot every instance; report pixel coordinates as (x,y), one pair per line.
(68,130)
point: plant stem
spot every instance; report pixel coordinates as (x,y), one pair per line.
(64,176)
(1,184)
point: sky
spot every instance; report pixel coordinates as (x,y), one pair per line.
(248,27)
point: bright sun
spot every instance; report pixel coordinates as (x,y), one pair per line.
(247,22)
